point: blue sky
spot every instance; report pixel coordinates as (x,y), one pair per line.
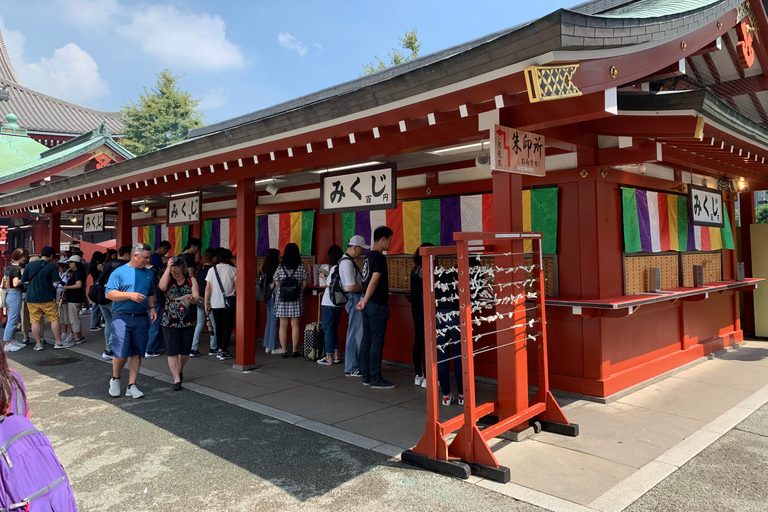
(236,56)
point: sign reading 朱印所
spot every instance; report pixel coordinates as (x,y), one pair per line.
(93,222)
(367,188)
(517,151)
(184,210)
(706,206)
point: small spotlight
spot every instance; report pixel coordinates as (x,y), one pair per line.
(272,189)
(145,207)
(73,219)
(742,184)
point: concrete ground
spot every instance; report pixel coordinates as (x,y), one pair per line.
(273,418)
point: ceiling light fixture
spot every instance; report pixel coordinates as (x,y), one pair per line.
(457,149)
(144,206)
(272,188)
(73,219)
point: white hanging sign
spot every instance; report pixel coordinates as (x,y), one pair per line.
(705,206)
(93,222)
(367,188)
(184,210)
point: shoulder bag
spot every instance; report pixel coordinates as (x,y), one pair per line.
(229,302)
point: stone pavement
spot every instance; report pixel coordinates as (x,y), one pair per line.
(625,448)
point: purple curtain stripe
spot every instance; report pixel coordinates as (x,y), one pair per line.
(216,233)
(158,235)
(363,226)
(644,220)
(691,237)
(262,244)
(450,219)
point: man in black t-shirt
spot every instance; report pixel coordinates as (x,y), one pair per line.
(39,278)
(193,247)
(374,306)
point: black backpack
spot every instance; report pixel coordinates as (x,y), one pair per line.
(290,289)
(263,290)
(97,293)
(338,296)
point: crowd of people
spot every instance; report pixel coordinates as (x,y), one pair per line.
(150,302)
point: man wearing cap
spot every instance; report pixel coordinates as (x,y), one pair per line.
(352,281)
(39,279)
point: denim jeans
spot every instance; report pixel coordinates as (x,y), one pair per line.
(375,317)
(354,334)
(95,316)
(450,351)
(201,316)
(156,343)
(13,300)
(270,330)
(106,311)
(331,319)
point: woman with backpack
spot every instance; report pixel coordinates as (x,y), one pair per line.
(271,263)
(13,302)
(291,279)
(30,472)
(179,316)
(331,312)
(95,268)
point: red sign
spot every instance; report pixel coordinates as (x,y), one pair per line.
(517,151)
(3,235)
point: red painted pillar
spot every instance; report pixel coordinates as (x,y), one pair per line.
(124,223)
(747,216)
(512,369)
(54,232)
(245,325)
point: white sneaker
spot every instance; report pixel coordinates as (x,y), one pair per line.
(424,382)
(18,344)
(277,351)
(114,387)
(418,380)
(267,350)
(39,347)
(26,340)
(67,337)
(447,400)
(68,344)
(12,347)
(133,391)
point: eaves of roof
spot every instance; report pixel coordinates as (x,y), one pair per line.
(563,30)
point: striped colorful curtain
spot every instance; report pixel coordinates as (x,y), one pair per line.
(220,233)
(156,233)
(658,222)
(272,232)
(435,220)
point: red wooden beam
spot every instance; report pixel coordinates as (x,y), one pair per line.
(647,151)
(644,126)
(549,114)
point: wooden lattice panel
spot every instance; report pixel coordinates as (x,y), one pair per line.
(550,280)
(636,272)
(712,262)
(400,272)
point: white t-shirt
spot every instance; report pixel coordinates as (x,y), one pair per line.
(348,273)
(327,283)
(228,275)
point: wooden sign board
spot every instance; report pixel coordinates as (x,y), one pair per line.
(705,206)
(93,222)
(517,151)
(184,210)
(365,188)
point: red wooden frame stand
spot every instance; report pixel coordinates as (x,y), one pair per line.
(469,451)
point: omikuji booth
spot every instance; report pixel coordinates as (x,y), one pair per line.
(644,154)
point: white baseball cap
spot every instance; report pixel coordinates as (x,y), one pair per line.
(75,258)
(358,241)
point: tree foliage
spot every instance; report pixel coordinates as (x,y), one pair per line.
(409,42)
(162,117)
(762,214)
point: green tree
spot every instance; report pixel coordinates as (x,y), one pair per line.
(762,214)
(408,42)
(162,117)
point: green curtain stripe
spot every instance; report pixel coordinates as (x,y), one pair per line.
(631,223)
(727,233)
(347,227)
(152,237)
(184,236)
(307,230)
(544,216)
(430,221)
(206,235)
(682,223)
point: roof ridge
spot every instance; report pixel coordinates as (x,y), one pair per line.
(64,102)
(6,66)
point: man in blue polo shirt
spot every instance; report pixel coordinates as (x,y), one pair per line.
(131,288)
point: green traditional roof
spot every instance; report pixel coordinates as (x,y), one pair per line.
(16,148)
(656,8)
(39,157)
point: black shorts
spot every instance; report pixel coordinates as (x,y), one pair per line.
(178,341)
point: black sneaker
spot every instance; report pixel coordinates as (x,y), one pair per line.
(195,353)
(355,373)
(382,384)
(224,355)
(213,352)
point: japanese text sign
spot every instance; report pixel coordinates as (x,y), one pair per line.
(93,222)
(184,210)
(705,206)
(517,151)
(3,235)
(367,188)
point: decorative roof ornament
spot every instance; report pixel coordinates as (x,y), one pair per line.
(5,93)
(11,128)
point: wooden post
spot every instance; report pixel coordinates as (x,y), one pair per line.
(747,216)
(245,325)
(54,232)
(124,223)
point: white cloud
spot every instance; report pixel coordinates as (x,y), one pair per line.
(214,98)
(319,47)
(70,74)
(286,40)
(90,15)
(183,41)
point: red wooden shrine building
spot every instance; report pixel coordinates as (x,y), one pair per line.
(638,101)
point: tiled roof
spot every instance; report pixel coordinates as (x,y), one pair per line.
(656,8)
(6,68)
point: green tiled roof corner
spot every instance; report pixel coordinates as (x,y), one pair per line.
(656,8)
(16,151)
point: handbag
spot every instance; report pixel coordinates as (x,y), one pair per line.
(229,301)
(3,291)
(290,289)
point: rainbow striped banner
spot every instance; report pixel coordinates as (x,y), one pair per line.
(275,231)
(658,222)
(436,220)
(156,233)
(220,233)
